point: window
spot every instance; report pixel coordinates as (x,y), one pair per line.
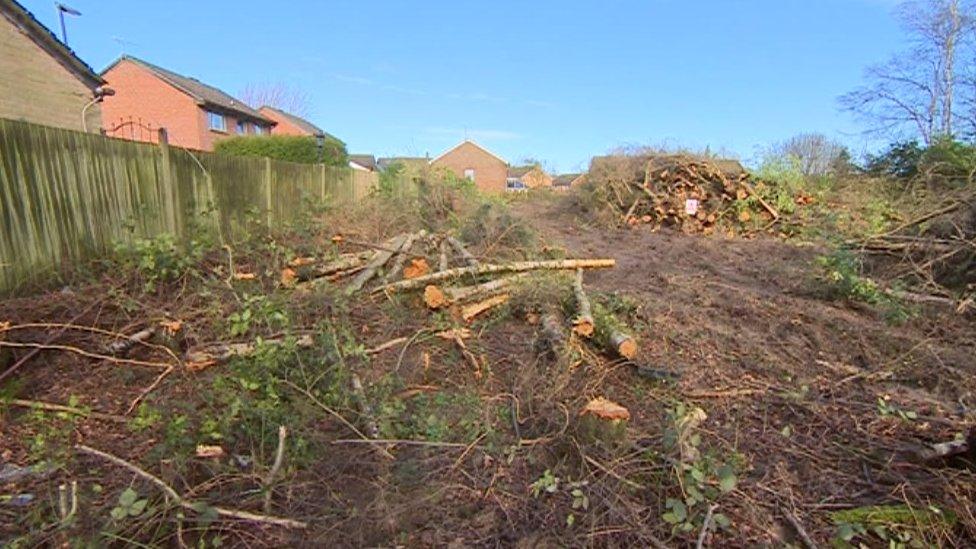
(258,130)
(241,127)
(216,121)
(469,174)
(514,184)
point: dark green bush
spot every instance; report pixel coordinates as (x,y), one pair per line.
(292,148)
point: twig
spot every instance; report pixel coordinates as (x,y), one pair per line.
(23,360)
(800,531)
(359,393)
(82,352)
(705,526)
(152,387)
(187,504)
(50,407)
(388,441)
(279,457)
(389,344)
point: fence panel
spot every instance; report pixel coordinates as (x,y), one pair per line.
(66,195)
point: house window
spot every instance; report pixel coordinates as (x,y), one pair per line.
(216,121)
(469,174)
(241,127)
(258,130)
(514,184)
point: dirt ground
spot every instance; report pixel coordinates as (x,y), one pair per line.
(817,405)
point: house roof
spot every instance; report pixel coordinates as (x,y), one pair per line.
(47,41)
(386,162)
(303,124)
(364,160)
(461,144)
(566,179)
(519,171)
(204,94)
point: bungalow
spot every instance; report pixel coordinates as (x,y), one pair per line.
(488,171)
(41,79)
(567,181)
(287,123)
(194,114)
(527,177)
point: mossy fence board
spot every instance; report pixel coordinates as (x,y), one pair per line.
(67,196)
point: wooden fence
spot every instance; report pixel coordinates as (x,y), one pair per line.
(67,195)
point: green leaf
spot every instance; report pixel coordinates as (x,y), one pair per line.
(570,519)
(845,532)
(726,479)
(128,497)
(138,507)
(118,513)
(721,520)
(678,509)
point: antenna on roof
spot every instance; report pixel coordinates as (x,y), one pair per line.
(122,42)
(62,9)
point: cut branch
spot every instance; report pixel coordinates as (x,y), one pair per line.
(379,259)
(462,251)
(469,312)
(222,352)
(583,323)
(402,256)
(516,267)
(436,298)
(185,503)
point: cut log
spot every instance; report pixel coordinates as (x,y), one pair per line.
(516,267)
(469,312)
(369,418)
(123,346)
(772,211)
(417,267)
(379,259)
(402,255)
(459,248)
(436,298)
(623,344)
(552,335)
(343,263)
(583,323)
(222,352)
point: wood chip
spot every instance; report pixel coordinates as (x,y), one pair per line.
(301,261)
(470,311)
(245,276)
(416,268)
(288,277)
(172,327)
(205,451)
(606,409)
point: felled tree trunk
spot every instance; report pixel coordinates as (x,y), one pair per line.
(583,324)
(222,352)
(612,336)
(402,256)
(442,264)
(437,298)
(343,263)
(516,267)
(379,259)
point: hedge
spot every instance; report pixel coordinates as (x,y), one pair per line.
(293,148)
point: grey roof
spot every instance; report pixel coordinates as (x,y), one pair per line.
(364,160)
(305,125)
(46,40)
(386,162)
(203,94)
(565,179)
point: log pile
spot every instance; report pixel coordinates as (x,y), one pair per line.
(685,192)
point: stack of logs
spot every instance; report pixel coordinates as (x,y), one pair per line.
(689,193)
(402,264)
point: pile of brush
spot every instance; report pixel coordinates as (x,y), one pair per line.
(689,193)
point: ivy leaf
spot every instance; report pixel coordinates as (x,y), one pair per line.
(118,513)
(138,507)
(678,510)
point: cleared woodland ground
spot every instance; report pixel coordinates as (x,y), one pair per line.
(758,408)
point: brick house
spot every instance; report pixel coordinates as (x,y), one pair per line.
(522,178)
(363,162)
(41,79)
(488,171)
(287,123)
(194,114)
(567,181)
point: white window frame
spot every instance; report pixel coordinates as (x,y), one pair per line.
(242,127)
(213,118)
(469,174)
(515,185)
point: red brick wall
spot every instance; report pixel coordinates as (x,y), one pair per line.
(284,126)
(141,95)
(490,172)
(537,178)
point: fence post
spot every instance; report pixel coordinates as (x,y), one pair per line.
(168,183)
(322,166)
(267,188)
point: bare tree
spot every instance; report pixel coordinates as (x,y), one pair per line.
(915,91)
(279,95)
(816,153)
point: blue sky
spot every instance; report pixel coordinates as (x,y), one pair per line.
(557,81)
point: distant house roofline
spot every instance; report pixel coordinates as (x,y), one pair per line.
(204,94)
(452,149)
(47,41)
(302,123)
